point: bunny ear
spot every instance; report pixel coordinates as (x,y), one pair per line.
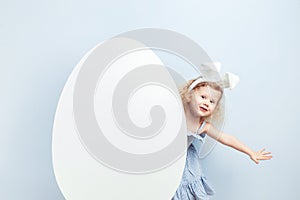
(215,66)
(229,80)
(211,70)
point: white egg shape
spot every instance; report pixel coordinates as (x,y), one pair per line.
(119,128)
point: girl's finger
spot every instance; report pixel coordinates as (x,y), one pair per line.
(262,150)
(265,158)
(265,153)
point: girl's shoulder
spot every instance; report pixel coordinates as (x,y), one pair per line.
(204,127)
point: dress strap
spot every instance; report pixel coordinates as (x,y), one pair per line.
(194,135)
(201,126)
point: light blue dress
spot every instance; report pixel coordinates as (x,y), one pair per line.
(194,185)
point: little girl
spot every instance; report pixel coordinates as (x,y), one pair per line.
(201,101)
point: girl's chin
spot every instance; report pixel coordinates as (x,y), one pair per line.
(205,114)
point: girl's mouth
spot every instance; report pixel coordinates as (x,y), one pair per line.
(203,109)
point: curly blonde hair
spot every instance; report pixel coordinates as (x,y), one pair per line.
(217,117)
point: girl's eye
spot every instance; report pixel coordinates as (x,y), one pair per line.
(203,97)
(212,102)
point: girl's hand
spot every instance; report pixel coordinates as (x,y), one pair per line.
(260,155)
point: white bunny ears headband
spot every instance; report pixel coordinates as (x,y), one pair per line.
(211,71)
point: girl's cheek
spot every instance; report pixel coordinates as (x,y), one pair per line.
(213,108)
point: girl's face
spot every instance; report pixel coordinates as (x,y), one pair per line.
(204,101)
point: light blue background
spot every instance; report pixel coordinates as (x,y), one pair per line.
(42,41)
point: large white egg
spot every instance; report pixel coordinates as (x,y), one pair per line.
(95,154)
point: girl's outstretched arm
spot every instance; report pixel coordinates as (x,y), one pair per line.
(233,142)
